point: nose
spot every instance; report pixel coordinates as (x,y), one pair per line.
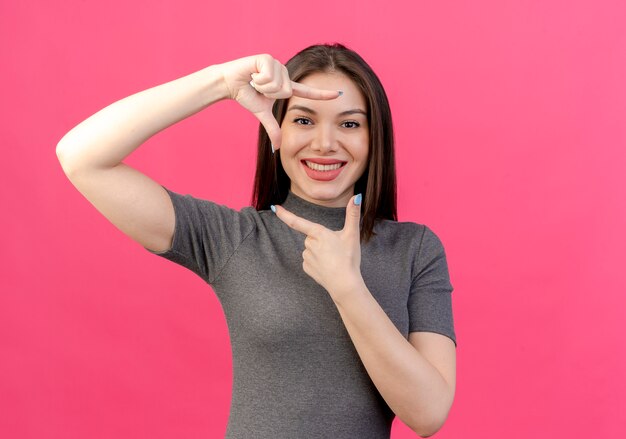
(325,140)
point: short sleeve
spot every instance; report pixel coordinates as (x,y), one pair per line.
(206,235)
(430,298)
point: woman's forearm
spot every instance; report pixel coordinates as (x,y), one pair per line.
(412,387)
(106,138)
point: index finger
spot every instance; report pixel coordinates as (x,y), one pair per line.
(304,91)
(294,221)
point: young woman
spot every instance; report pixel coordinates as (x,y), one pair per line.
(340,317)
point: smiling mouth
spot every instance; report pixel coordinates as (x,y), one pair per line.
(323,168)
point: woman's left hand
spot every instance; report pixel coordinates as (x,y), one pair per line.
(332,259)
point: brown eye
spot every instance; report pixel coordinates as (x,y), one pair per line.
(351,124)
(302,121)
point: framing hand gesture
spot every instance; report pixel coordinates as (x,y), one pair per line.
(332,259)
(257,81)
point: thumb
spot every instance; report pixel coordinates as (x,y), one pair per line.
(271,127)
(353,215)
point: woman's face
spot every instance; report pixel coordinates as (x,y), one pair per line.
(325,144)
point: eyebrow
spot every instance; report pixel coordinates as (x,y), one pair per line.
(343,113)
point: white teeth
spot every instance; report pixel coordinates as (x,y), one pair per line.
(318,167)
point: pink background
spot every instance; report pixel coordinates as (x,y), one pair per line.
(511,136)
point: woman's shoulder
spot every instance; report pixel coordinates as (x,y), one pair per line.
(404,228)
(220,218)
(407,232)
(189,201)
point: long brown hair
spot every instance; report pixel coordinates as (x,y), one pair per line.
(378,182)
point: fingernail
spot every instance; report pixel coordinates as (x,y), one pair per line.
(340,92)
(357,200)
(273,208)
(272,145)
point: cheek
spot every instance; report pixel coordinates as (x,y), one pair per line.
(365,152)
(364,159)
(284,159)
(287,158)
(294,138)
(291,138)
(364,148)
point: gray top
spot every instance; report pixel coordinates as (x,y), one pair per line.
(296,373)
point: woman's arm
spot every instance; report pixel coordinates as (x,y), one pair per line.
(91,154)
(109,136)
(417,377)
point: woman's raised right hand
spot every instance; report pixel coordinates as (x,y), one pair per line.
(257,81)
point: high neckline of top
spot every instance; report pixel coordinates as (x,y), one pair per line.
(331,217)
